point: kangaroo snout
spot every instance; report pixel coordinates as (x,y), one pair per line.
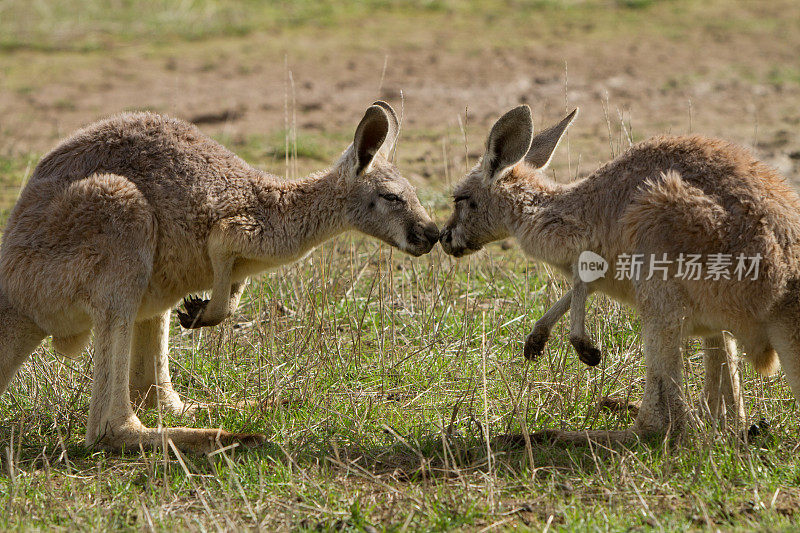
(457,246)
(432,233)
(446,239)
(449,246)
(422,238)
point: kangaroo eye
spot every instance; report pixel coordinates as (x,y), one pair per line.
(391,198)
(462,198)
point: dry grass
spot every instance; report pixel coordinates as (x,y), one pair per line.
(395,379)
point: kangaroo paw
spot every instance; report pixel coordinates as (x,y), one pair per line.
(534,343)
(758,429)
(586,351)
(194,309)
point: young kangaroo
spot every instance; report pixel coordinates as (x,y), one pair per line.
(670,203)
(574,301)
(132,213)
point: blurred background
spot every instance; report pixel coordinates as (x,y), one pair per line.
(255,73)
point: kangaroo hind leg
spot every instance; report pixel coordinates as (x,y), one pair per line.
(19,337)
(112,421)
(150,381)
(722,391)
(128,248)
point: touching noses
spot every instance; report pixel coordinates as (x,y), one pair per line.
(423,237)
(447,236)
(432,233)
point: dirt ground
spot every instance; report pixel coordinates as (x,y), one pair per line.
(733,78)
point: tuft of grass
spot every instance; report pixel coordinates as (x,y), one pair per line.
(14,171)
(301,144)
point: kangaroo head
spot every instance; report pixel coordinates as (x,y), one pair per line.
(482,201)
(379,201)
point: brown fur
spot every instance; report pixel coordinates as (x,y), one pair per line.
(130,214)
(669,194)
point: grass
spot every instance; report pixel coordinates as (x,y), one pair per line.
(387,417)
(396,377)
(74,25)
(307,147)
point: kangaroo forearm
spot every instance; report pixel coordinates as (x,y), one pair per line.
(587,352)
(222,304)
(237,289)
(217,308)
(536,340)
(577,310)
(553,314)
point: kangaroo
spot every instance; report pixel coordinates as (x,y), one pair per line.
(673,202)
(132,213)
(574,301)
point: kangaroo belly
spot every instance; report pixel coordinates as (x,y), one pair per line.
(71,346)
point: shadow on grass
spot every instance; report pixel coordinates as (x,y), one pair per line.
(404,459)
(436,457)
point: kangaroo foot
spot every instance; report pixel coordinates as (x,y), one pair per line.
(194,309)
(189,440)
(614,404)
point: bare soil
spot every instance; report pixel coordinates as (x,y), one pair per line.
(738,81)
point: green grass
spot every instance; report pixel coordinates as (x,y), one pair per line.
(93,26)
(54,26)
(395,372)
(382,361)
(276,147)
(14,171)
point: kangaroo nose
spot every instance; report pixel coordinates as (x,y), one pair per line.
(432,233)
(446,236)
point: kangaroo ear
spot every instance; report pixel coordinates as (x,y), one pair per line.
(508,142)
(394,129)
(370,136)
(546,142)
